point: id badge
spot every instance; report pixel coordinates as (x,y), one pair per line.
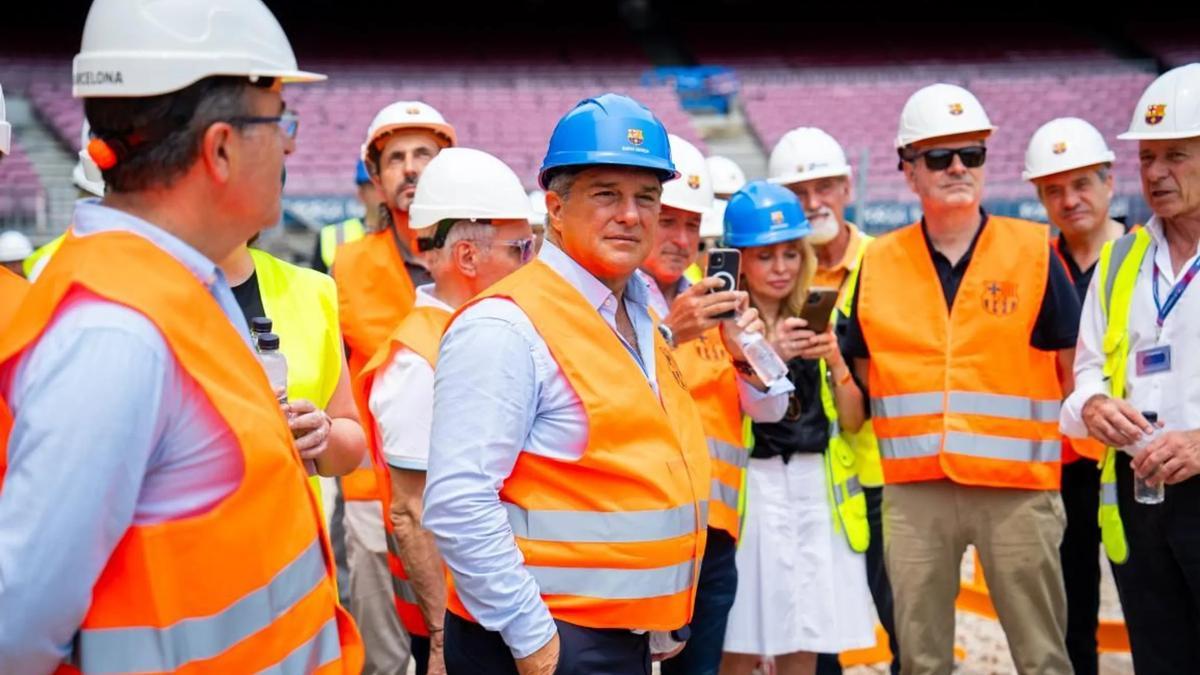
(1154,360)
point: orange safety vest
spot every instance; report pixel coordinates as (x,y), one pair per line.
(962,394)
(1075,448)
(13,288)
(710,376)
(374,295)
(615,539)
(246,586)
(420,331)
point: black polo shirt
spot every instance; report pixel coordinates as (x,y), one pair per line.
(1082,278)
(1057,325)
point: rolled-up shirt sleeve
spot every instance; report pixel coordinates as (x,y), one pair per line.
(1089,365)
(485,400)
(86,402)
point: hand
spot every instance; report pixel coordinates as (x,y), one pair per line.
(693,310)
(437,653)
(823,346)
(310,426)
(1114,422)
(748,321)
(1171,458)
(542,662)
(792,338)
(668,655)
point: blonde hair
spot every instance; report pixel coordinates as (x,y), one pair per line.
(793,305)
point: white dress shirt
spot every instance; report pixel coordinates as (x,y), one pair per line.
(1174,395)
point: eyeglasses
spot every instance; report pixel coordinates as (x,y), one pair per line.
(288,121)
(940,159)
(523,247)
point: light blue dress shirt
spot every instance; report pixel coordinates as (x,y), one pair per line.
(109,432)
(764,406)
(498,392)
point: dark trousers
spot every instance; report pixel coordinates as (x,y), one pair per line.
(337,539)
(420,653)
(471,649)
(877,581)
(714,599)
(1080,551)
(1160,583)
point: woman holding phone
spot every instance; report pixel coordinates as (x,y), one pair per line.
(803,587)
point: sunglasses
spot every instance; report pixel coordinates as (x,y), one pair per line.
(523,247)
(940,159)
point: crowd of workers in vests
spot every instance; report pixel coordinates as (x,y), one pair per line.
(542,434)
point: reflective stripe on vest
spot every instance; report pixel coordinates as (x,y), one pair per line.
(1118,267)
(614,538)
(728,453)
(130,650)
(960,393)
(967,403)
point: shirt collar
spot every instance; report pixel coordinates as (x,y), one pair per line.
(593,290)
(933,252)
(850,257)
(426,298)
(92,217)
(655,298)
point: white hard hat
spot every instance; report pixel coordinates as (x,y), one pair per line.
(464,183)
(408,115)
(14,246)
(941,110)
(693,190)
(806,153)
(1169,108)
(1064,144)
(727,176)
(537,204)
(5,128)
(712,223)
(151,47)
(86,175)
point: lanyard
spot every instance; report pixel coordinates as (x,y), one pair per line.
(1164,308)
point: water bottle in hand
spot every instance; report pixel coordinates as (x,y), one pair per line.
(258,326)
(762,357)
(275,363)
(1144,492)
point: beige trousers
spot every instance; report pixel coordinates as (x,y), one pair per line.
(927,527)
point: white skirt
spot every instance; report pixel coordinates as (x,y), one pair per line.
(800,586)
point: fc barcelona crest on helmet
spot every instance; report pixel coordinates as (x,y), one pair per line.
(1155,113)
(412,110)
(1000,297)
(956,109)
(693,181)
(636,137)
(777,217)
(1060,147)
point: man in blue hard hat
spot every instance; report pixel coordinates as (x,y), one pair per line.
(568,471)
(351,229)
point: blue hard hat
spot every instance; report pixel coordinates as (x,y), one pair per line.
(761,214)
(361,177)
(611,129)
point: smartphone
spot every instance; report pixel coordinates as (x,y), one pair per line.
(818,308)
(724,264)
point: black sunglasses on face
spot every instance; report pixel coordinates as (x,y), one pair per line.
(940,159)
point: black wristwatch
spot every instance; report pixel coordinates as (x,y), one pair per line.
(667,335)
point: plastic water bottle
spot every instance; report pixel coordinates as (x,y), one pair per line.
(1144,492)
(258,326)
(275,363)
(762,357)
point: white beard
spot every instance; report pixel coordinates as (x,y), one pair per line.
(825,229)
